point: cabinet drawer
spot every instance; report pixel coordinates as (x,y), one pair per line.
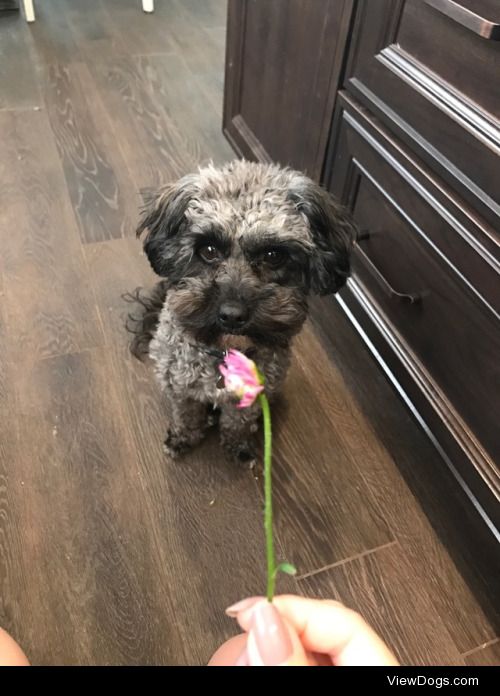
(429,70)
(450,325)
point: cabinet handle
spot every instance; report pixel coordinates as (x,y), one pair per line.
(406,297)
(467,18)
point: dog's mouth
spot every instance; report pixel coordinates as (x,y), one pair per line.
(247,339)
(239,342)
(218,349)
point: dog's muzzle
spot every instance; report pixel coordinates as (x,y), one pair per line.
(233,316)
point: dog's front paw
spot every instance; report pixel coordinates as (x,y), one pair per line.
(246,457)
(242,453)
(176,444)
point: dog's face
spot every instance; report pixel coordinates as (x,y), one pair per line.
(242,247)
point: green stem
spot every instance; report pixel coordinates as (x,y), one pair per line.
(268,501)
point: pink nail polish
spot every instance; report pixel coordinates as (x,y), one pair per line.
(235,609)
(271,635)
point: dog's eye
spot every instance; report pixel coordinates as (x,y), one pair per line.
(274,258)
(209,253)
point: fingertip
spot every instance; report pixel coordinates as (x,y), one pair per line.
(231,654)
(243,605)
(272,641)
(329,627)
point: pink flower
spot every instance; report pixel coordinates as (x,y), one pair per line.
(241,377)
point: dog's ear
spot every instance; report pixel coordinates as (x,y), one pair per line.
(163,218)
(333,234)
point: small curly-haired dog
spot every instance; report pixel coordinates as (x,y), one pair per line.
(240,248)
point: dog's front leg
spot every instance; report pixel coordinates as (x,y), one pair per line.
(188,424)
(237,431)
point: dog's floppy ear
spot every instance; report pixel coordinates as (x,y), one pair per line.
(163,218)
(333,234)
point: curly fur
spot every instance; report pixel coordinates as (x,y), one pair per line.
(240,248)
(143,326)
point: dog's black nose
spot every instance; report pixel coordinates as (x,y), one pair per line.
(233,315)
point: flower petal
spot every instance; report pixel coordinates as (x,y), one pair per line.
(249,396)
(241,377)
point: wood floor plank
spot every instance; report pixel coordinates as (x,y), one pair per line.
(199,45)
(178,90)
(209,13)
(191,27)
(18,84)
(101,588)
(205,512)
(70,31)
(485,657)
(93,30)
(325,511)
(51,36)
(155,150)
(49,305)
(408,479)
(98,180)
(14,572)
(5,367)
(380,586)
(143,33)
(10,524)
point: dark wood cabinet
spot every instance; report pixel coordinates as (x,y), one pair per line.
(284,60)
(411,108)
(435,83)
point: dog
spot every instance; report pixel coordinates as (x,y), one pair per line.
(239,250)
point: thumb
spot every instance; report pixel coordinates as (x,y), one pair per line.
(272,640)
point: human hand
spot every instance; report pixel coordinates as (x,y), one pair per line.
(298,631)
(10,652)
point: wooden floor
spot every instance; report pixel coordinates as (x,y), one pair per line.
(109,552)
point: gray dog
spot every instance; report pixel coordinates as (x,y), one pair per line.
(240,249)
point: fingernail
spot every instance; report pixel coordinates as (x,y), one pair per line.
(270,634)
(235,609)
